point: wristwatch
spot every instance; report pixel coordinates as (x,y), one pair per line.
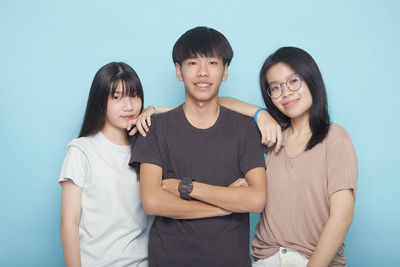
(185,187)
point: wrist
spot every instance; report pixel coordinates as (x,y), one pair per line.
(185,187)
(154,109)
(256,114)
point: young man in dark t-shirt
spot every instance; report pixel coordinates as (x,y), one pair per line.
(190,160)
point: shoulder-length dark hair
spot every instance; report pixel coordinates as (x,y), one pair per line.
(105,82)
(303,64)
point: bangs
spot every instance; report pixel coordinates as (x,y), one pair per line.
(129,88)
(195,47)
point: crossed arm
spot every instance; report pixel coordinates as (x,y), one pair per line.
(161,197)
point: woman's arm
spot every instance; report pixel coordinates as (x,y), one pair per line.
(71,204)
(270,130)
(341,216)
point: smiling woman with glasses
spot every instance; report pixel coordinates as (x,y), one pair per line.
(312,181)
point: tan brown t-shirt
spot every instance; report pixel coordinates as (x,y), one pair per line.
(299,188)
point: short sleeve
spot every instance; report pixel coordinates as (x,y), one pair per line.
(252,151)
(146,149)
(342,163)
(75,166)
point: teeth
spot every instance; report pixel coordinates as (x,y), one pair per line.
(203,84)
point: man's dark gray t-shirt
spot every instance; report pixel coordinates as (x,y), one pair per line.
(217,156)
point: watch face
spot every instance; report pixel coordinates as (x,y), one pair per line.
(185,188)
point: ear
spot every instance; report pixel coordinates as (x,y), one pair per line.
(178,71)
(225,76)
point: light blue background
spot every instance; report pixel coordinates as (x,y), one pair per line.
(50,51)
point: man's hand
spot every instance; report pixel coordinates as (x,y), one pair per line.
(239,182)
(171,185)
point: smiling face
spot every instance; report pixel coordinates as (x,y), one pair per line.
(293,104)
(202,77)
(121,109)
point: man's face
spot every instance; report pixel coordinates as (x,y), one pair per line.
(202,77)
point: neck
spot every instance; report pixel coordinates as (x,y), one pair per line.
(117,136)
(201,115)
(300,125)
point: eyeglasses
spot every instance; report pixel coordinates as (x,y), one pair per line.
(293,83)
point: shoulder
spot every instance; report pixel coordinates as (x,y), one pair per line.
(338,139)
(234,115)
(168,114)
(337,132)
(239,124)
(165,118)
(237,118)
(82,144)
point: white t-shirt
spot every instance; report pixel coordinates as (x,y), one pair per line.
(113,228)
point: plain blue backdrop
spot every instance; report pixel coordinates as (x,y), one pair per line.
(50,51)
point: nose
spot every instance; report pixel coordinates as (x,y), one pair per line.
(127,103)
(202,69)
(285,90)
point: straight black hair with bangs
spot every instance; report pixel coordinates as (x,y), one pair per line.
(105,82)
(303,64)
(202,41)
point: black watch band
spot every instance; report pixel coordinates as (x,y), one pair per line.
(185,187)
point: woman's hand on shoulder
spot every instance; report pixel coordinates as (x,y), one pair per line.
(271,132)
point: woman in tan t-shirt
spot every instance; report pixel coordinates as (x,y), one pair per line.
(312,180)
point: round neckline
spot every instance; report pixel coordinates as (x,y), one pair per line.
(190,126)
(104,140)
(284,148)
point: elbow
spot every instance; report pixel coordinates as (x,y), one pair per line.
(348,221)
(67,226)
(258,207)
(258,203)
(149,205)
(343,222)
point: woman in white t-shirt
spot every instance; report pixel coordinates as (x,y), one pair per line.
(102,219)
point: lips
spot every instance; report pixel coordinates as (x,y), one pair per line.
(128,117)
(290,103)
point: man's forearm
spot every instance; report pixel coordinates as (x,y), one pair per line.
(163,203)
(235,199)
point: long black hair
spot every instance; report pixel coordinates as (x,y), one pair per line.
(303,64)
(105,82)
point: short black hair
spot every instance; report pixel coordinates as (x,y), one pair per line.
(302,63)
(105,82)
(202,41)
